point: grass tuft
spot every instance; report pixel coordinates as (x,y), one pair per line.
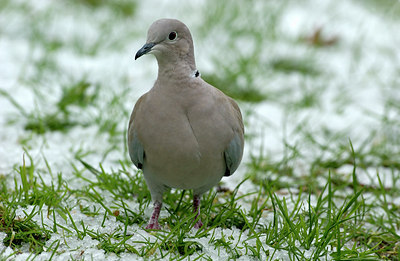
(294,65)
(123,7)
(80,94)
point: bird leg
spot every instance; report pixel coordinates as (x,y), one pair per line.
(196,206)
(153,222)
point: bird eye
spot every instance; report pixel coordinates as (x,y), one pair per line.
(172,35)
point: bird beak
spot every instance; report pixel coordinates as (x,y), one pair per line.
(145,49)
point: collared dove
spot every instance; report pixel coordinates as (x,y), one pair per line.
(183,133)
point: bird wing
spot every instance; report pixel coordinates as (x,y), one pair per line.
(234,152)
(135,147)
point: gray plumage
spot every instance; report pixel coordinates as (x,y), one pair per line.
(183,133)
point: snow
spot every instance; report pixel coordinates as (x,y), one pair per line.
(350,64)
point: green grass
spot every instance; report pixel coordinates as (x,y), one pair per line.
(120,7)
(321,193)
(78,95)
(291,65)
(387,8)
(319,219)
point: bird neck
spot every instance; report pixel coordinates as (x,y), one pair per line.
(176,69)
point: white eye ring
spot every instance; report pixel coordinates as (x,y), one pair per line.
(172,35)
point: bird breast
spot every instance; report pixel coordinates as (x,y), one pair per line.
(180,140)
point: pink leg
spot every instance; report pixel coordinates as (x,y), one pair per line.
(196,206)
(153,222)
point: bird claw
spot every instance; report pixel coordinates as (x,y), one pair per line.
(198,224)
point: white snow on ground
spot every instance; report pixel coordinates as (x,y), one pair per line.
(348,79)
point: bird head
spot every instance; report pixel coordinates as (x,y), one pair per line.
(169,40)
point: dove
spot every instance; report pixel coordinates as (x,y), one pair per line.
(183,133)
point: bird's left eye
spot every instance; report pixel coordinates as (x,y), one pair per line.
(172,35)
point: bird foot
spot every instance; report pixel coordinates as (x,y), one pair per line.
(196,208)
(198,224)
(154,226)
(153,222)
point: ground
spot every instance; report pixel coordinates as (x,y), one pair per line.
(318,85)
